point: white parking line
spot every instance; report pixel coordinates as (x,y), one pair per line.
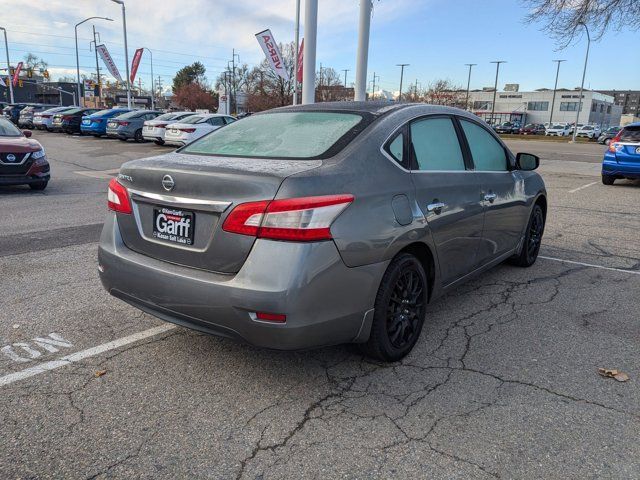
(632,272)
(582,187)
(90,352)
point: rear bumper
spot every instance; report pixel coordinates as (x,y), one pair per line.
(612,168)
(325,301)
(91,130)
(178,142)
(118,133)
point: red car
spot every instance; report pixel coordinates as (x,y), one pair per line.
(533,129)
(22,159)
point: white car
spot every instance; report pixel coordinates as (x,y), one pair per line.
(589,131)
(155,129)
(194,127)
(43,120)
(559,130)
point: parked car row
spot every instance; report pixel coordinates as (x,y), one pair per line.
(556,129)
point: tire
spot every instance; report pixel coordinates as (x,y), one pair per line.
(159,142)
(38,186)
(122,139)
(608,179)
(532,239)
(607,141)
(137,136)
(96,135)
(399,310)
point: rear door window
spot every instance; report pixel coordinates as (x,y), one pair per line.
(630,134)
(436,145)
(487,153)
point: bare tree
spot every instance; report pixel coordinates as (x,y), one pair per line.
(563,18)
(444,92)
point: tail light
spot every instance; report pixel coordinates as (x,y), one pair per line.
(96,120)
(47,116)
(67,117)
(118,197)
(612,143)
(187,130)
(295,219)
(123,124)
(160,125)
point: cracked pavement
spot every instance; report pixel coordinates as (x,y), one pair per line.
(503,382)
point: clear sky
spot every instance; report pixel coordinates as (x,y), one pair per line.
(436,37)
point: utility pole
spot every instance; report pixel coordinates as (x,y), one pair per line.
(584,73)
(466,102)
(233,63)
(555,88)
(401,65)
(345,82)
(309,59)
(95,45)
(159,86)
(373,86)
(363,50)
(495,88)
(6,46)
(297,43)
(320,91)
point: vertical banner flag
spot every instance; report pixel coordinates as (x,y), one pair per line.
(300,62)
(16,74)
(272,52)
(135,63)
(108,61)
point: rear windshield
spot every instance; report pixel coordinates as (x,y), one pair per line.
(287,135)
(194,119)
(168,116)
(558,126)
(530,125)
(132,114)
(630,134)
(7,129)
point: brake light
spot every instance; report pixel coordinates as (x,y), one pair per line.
(47,116)
(123,124)
(67,117)
(294,219)
(612,143)
(118,197)
(160,125)
(187,130)
(271,317)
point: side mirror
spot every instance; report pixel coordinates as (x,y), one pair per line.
(26,133)
(527,161)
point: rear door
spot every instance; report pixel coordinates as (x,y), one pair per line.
(448,193)
(502,194)
(628,147)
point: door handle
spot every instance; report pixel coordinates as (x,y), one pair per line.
(490,197)
(436,207)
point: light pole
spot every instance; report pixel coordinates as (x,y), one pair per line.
(153,90)
(345,82)
(555,87)
(309,59)
(466,102)
(77,56)
(401,65)
(297,43)
(6,46)
(126,50)
(584,73)
(495,88)
(363,50)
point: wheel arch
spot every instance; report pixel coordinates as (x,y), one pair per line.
(541,200)
(424,254)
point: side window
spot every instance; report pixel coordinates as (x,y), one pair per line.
(488,155)
(436,144)
(229,120)
(395,148)
(216,121)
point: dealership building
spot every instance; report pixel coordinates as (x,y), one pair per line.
(535,107)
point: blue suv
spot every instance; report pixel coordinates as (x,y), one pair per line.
(96,124)
(622,157)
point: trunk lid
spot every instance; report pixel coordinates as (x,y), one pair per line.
(179,219)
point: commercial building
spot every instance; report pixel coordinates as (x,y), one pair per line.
(629,100)
(535,107)
(28,91)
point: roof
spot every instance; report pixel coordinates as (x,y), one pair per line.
(376,108)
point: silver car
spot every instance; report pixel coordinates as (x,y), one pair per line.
(320,224)
(154,130)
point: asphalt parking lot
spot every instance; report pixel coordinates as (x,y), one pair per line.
(502,384)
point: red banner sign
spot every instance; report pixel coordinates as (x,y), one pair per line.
(16,74)
(135,63)
(300,62)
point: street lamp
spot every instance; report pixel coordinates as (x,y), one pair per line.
(466,103)
(126,50)
(584,72)
(401,65)
(77,56)
(6,45)
(555,87)
(153,90)
(495,88)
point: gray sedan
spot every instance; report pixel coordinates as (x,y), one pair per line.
(320,224)
(129,125)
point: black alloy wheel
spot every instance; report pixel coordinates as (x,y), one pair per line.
(399,310)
